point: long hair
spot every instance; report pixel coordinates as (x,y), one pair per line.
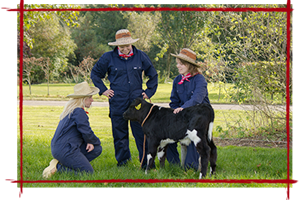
(71,105)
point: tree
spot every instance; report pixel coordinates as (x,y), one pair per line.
(31,18)
(53,41)
(106,24)
(85,68)
(26,49)
(178,30)
(95,30)
(86,39)
(45,65)
(261,41)
(28,64)
(82,72)
(252,46)
(142,25)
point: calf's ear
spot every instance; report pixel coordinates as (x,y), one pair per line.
(138,107)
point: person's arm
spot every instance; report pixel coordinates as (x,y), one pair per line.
(98,73)
(151,73)
(199,93)
(175,100)
(83,126)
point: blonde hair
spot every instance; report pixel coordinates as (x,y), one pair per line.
(71,105)
(193,69)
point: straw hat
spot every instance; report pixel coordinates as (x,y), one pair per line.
(83,90)
(123,37)
(187,55)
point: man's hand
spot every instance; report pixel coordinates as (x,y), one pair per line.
(109,93)
(89,147)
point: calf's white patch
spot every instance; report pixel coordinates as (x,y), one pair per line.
(148,158)
(193,136)
(160,154)
(163,143)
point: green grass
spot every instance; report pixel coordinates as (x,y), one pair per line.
(39,124)
(59,92)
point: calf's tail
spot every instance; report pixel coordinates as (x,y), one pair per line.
(211,124)
(210,127)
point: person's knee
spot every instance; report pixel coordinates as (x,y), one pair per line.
(97,150)
(88,169)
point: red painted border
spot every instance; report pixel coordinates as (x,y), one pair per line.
(287,181)
(163,9)
(243,181)
(288,94)
(21,93)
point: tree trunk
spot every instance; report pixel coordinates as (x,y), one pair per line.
(29,83)
(48,87)
(168,68)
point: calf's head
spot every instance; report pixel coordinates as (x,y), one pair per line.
(137,110)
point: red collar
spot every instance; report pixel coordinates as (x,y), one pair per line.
(186,78)
(124,55)
(85,111)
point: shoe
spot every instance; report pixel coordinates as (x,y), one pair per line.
(51,169)
(123,163)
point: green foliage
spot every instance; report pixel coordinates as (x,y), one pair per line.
(266,78)
(95,30)
(180,29)
(143,25)
(31,18)
(52,41)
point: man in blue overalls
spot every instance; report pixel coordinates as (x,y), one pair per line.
(124,66)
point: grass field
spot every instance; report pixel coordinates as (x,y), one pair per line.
(39,124)
(60,91)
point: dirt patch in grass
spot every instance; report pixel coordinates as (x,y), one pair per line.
(250,142)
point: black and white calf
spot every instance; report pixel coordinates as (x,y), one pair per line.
(162,127)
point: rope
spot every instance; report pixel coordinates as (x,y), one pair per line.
(147,116)
(144,144)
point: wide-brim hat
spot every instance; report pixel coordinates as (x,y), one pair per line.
(123,37)
(187,55)
(83,90)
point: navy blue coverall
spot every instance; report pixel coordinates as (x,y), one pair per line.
(188,94)
(69,143)
(125,76)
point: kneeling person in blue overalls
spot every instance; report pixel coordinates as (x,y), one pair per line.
(74,144)
(124,66)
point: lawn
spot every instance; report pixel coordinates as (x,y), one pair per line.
(39,124)
(59,92)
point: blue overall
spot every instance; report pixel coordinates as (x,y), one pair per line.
(69,143)
(125,76)
(188,94)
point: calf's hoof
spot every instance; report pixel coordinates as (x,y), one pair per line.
(200,175)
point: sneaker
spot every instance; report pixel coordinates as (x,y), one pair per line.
(51,169)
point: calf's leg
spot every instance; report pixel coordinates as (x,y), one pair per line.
(152,150)
(204,152)
(161,155)
(213,157)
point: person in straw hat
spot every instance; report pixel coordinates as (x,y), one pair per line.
(189,89)
(74,144)
(124,65)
